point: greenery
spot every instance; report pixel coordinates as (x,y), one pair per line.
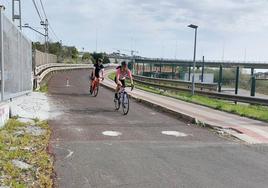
(101,55)
(251,111)
(57,49)
(43,88)
(29,149)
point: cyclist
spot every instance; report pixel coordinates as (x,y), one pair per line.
(97,69)
(122,73)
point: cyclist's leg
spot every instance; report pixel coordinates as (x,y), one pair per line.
(118,87)
(123,83)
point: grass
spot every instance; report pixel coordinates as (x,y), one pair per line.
(250,111)
(29,149)
(43,88)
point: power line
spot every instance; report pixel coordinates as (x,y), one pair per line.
(41,19)
(53,32)
(43,8)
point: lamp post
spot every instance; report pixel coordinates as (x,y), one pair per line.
(193,76)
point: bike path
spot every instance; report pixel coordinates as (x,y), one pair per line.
(248,130)
(142,156)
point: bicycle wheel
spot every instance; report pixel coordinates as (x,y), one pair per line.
(117,104)
(96,91)
(125,103)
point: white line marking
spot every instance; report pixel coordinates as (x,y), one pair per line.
(111,133)
(69,155)
(174,133)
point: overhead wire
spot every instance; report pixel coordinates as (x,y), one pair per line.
(51,28)
(37,10)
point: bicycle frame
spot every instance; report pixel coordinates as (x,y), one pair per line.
(95,83)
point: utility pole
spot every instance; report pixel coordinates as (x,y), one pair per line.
(45,24)
(14,15)
(194,62)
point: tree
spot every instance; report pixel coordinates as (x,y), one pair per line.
(106,60)
(86,56)
(97,56)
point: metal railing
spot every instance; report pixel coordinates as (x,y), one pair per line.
(227,97)
(176,83)
(49,68)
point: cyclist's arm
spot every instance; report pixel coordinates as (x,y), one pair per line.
(102,73)
(117,76)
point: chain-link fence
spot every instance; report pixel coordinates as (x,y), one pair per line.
(16,60)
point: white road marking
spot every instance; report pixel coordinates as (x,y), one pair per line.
(174,133)
(111,133)
(69,155)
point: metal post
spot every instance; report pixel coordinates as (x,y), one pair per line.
(253,86)
(193,77)
(173,67)
(151,69)
(220,79)
(237,80)
(13,10)
(189,73)
(253,83)
(203,69)
(252,71)
(2,8)
(20,14)
(16,17)
(143,69)
(46,40)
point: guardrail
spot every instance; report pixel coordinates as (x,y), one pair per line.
(41,68)
(47,69)
(177,83)
(227,97)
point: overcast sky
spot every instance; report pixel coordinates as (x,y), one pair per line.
(228,29)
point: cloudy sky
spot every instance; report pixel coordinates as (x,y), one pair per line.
(228,29)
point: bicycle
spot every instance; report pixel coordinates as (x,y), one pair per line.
(123,98)
(94,88)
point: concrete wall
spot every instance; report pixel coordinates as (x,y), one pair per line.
(41,58)
(4,113)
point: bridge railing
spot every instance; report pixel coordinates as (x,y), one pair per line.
(210,94)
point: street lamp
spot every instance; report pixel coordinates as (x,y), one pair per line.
(193,77)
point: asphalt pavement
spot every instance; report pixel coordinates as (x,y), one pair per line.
(96,146)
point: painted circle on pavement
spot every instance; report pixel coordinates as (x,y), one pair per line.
(111,133)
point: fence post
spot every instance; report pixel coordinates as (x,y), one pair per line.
(2,8)
(220,79)
(253,86)
(253,83)
(189,73)
(203,67)
(237,80)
